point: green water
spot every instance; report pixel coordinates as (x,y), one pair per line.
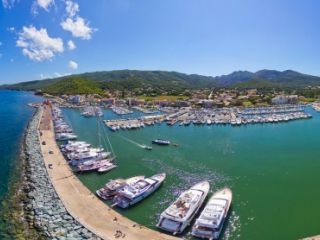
(272,169)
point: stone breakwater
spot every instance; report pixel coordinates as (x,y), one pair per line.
(44,210)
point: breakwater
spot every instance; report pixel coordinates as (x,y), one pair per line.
(43,209)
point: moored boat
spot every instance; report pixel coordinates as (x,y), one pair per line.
(113,186)
(65,136)
(209,225)
(106,168)
(180,213)
(130,194)
(94,166)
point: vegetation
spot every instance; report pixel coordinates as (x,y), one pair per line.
(155,83)
(73,85)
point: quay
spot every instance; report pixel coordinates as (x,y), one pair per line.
(202,116)
(80,203)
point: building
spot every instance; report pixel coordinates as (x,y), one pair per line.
(206,103)
(285,99)
(135,102)
(108,101)
(76,99)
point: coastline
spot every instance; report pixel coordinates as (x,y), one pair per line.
(37,209)
(79,201)
(34,211)
(12,214)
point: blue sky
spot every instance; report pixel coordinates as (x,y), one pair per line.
(208,37)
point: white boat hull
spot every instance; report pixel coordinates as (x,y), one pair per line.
(206,231)
(177,225)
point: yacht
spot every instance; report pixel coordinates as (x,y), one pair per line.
(113,186)
(106,168)
(74,146)
(161,142)
(88,156)
(180,213)
(65,136)
(130,194)
(210,223)
(95,166)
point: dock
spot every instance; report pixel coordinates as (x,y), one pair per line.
(79,201)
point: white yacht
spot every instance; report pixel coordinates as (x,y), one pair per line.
(100,166)
(88,156)
(65,136)
(180,213)
(210,223)
(130,194)
(113,186)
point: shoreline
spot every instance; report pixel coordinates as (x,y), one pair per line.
(35,211)
(13,217)
(79,201)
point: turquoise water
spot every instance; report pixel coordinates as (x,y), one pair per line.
(14,115)
(273,170)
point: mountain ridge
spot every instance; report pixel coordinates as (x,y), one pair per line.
(170,81)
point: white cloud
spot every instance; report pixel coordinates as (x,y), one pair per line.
(73,65)
(38,45)
(56,74)
(44,76)
(45,4)
(71,45)
(78,27)
(72,8)
(8,3)
(11,29)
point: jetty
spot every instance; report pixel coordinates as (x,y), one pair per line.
(79,201)
(217,116)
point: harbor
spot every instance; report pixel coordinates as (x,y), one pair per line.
(78,200)
(220,168)
(194,168)
(226,116)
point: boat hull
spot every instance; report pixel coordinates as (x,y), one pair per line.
(177,225)
(152,189)
(205,231)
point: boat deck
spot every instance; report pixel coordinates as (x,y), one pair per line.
(83,205)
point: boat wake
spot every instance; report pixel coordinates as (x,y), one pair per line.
(133,142)
(232,230)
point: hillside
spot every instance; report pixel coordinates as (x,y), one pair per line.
(72,85)
(154,81)
(165,82)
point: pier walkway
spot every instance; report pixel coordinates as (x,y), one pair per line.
(83,205)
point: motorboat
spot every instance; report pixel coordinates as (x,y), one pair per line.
(130,194)
(180,213)
(209,225)
(161,142)
(113,186)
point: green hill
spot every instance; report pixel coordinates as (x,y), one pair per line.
(73,85)
(165,82)
(257,83)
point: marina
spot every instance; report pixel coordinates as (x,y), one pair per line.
(229,158)
(78,200)
(228,116)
